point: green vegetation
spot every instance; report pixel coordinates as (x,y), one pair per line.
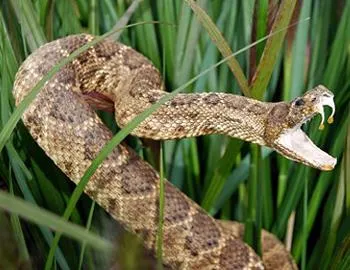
(306,208)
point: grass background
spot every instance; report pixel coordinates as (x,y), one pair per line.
(306,208)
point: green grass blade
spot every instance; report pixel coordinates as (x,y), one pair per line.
(266,183)
(146,34)
(220,174)
(325,179)
(70,20)
(30,26)
(342,257)
(168,34)
(187,47)
(252,232)
(339,51)
(304,228)
(182,34)
(273,45)
(319,191)
(299,54)
(159,240)
(123,21)
(93,18)
(221,44)
(17,228)
(88,225)
(262,12)
(45,218)
(335,216)
(346,174)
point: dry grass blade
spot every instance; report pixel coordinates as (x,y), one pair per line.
(221,44)
(268,59)
(123,21)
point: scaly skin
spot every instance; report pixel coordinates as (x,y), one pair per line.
(112,74)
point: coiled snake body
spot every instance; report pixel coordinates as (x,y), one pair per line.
(67,128)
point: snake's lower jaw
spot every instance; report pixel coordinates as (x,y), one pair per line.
(296,145)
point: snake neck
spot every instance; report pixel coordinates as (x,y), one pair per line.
(189,115)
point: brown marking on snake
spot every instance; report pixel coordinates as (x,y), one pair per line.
(113,205)
(93,193)
(231,119)
(193,114)
(279,112)
(235,104)
(134,60)
(257,109)
(193,99)
(106,51)
(180,129)
(212,99)
(37,126)
(180,207)
(136,91)
(136,183)
(272,247)
(209,130)
(89,155)
(67,76)
(178,101)
(233,262)
(152,99)
(68,165)
(204,234)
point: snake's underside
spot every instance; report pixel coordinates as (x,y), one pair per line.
(63,122)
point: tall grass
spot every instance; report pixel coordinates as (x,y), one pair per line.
(229,178)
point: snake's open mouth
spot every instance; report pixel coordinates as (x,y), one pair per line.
(301,148)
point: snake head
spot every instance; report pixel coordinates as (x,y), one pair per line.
(284,132)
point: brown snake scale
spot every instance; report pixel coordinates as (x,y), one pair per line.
(71,133)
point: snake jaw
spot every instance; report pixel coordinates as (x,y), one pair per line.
(296,145)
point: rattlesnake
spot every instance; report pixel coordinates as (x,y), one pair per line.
(64,124)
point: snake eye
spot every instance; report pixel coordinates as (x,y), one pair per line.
(299,102)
